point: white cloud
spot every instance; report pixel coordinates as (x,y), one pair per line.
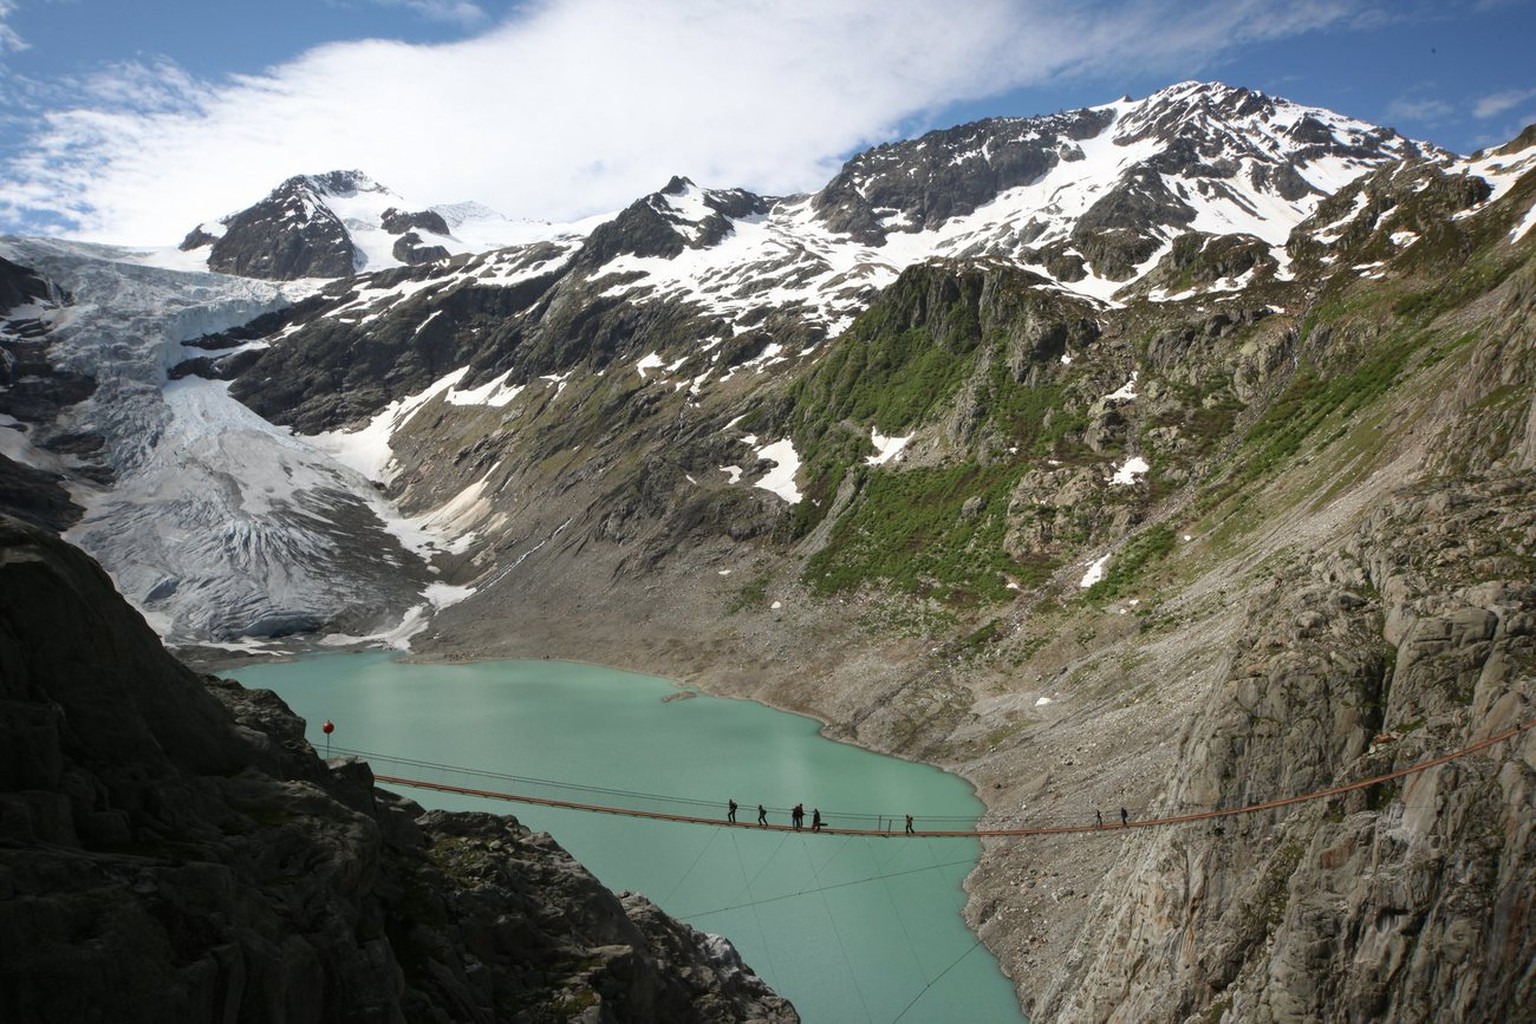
(1499,102)
(9,40)
(1423,110)
(456,11)
(577,106)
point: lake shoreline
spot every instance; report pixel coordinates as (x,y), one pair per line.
(704,727)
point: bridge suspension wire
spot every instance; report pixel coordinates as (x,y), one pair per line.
(982,830)
(937,978)
(779,897)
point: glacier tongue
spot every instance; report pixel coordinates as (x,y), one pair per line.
(218,525)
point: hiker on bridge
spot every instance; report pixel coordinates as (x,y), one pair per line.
(1125,817)
(816,819)
(1098,817)
(797,816)
(762,816)
(730,813)
(910,830)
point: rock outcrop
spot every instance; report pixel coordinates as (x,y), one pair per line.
(289,234)
(172,849)
(32,390)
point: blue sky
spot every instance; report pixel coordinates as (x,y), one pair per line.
(133,121)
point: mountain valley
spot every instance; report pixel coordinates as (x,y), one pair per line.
(1171,455)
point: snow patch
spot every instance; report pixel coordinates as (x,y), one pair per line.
(886,448)
(1127,473)
(414,622)
(367,449)
(495,393)
(1095,573)
(781,479)
(650,362)
(1127,391)
(443,595)
(1519,231)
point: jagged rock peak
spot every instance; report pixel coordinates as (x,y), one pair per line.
(291,233)
(688,206)
(342,184)
(1234,122)
(679,216)
(949,172)
(1193,130)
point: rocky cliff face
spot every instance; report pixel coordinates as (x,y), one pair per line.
(1366,606)
(289,234)
(32,390)
(172,849)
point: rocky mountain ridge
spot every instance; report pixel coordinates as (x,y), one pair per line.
(1197,514)
(342,223)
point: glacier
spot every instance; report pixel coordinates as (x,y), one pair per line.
(220,527)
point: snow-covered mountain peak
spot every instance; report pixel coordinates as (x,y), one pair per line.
(341,223)
(703,216)
(341,184)
(1219,122)
(1192,192)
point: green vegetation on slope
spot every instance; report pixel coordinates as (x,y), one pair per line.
(929,532)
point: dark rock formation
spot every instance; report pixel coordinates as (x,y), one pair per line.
(172,849)
(20,285)
(287,235)
(293,233)
(196,239)
(31,391)
(654,227)
(398,222)
(36,496)
(410,250)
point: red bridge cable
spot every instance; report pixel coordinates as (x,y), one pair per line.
(1179,819)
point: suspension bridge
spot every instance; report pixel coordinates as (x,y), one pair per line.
(684,810)
(757,894)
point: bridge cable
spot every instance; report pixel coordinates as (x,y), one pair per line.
(834,885)
(757,917)
(705,849)
(924,990)
(826,905)
(1037,830)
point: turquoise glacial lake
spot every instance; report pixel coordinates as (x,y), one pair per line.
(849,928)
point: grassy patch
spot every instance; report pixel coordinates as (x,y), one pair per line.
(1038,420)
(1130,562)
(928,532)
